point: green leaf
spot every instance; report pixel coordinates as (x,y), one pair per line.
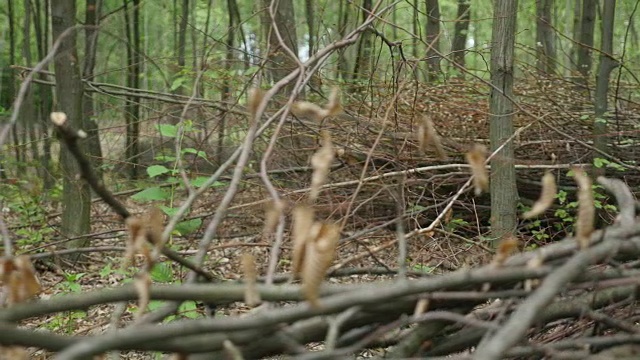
(152,194)
(167,130)
(162,272)
(177,83)
(201,180)
(189,226)
(600,162)
(600,120)
(157,170)
(584,117)
(189,309)
(200,153)
(169,211)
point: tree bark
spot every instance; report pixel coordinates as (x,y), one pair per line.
(92,17)
(433,39)
(461,29)
(132,108)
(280,62)
(607,64)
(545,49)
(362,69)
(587,25)
(75,194)
(504,194)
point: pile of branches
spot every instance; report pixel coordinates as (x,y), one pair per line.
(500,310)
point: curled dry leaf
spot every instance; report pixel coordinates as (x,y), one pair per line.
(255,96)
(273,210)
(302,221)
(534,263)
(427,134)
(19,279)
(135,241)
(321,163)
(319,254)
(305,109)
(547,196)
(586,208)
(508,245)
(251,294)
(476,158)
(142,282)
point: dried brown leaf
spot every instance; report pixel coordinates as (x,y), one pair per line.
(13,353)
(136,240)
(273,211)
(302,221)
(319,254)
(142,282)
(476,158)
(586,208)
(547,196)
(309,110)
(19,279)
(427,134)
(251,294)
(321,163)
(508,245)
(255,96)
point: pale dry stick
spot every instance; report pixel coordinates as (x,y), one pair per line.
(335,324)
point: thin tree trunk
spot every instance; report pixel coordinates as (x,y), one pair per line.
(587,25)
(92,17)
(433,39)
(504,195)
(545,49)
(132,108)
(362,69)
(76,201)
(29,109)
(460,33)
(342,68)
(281,62)
(607,64)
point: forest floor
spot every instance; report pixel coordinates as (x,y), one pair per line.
(556,123)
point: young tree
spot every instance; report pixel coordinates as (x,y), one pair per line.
(362,67)
(76,202)
(433,39)
(132,108)
(504,194)
(607,64)
(461,29)
(280,25)
(585,41)
(545,49)
(92,20)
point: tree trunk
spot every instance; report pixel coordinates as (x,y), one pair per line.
(92,17)
(132,108)
(459,45)
(433,40)
(607,64)
(342,67)
(587,25)
(545,49)
(362,69)
(41,23)
(504,195)
(280,62)
(75,194)
(310,15)
(29,109)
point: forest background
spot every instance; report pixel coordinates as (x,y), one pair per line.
(371,119)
